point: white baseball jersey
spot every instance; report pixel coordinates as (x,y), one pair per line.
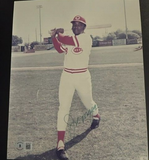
(77,50)
(75,75)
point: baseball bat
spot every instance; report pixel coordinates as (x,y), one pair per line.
(96,26)
(93,27)
(99,26)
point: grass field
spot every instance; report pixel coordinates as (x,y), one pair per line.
(118,89)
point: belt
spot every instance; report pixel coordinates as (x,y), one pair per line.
(80,70)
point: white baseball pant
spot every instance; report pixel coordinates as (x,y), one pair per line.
(81,82)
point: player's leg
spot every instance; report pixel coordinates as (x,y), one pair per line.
(66,91)
(84,90)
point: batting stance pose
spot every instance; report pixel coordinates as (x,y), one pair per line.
(75,76)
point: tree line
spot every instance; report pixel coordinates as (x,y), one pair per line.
(119,34)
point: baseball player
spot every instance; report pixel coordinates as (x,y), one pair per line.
(75,76)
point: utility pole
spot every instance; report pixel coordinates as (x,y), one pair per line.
(39,7)
(28,39)
(126,30)
(36,34)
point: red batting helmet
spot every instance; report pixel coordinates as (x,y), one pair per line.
(79,19)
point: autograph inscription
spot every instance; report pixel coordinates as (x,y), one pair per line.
(73,123)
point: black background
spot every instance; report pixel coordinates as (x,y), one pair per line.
(6,19)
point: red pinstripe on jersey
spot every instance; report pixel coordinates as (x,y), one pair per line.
(80,70)
(77,41)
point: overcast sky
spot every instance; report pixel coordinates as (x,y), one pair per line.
(59,13)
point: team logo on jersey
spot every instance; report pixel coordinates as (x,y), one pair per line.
(77,50)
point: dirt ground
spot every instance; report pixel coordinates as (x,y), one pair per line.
(118,89)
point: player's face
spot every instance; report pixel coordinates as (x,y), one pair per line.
(78,28)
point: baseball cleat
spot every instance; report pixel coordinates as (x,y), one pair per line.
(95,123)
(61,154)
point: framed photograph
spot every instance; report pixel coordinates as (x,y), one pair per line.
(77,81)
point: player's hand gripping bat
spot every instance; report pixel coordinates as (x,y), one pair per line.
(55,31)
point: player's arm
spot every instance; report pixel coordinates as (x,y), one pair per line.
(68,40)
(58,45)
